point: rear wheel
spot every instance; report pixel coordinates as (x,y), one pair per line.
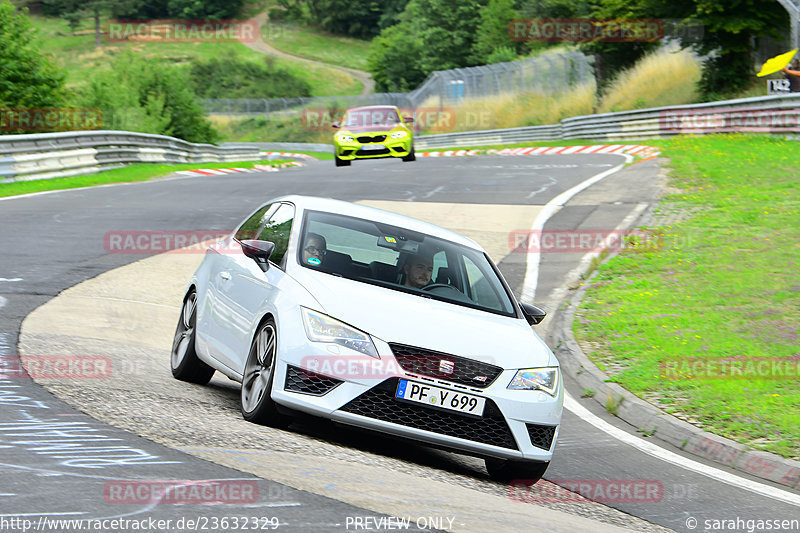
(341,162)
(259,371)
(185,364)
(526,472)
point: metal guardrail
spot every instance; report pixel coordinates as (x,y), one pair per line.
(766,114)
(52,155)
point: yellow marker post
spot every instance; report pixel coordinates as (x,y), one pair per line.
(777,63)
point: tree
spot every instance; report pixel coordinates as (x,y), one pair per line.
(492,32)
(730,30)
(27,79)
(393,59)
(137,95)
(74,10)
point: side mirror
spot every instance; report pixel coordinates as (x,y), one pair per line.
(533,314)
(336,125)
(409,120)
(259,251)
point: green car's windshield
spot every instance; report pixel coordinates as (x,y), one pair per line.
(402,260)
(370,117)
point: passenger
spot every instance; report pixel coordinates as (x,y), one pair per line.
(315,249)
(418,270)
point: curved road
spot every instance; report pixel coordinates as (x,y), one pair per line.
(54,241)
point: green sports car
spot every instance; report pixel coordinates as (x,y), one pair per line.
(373,132)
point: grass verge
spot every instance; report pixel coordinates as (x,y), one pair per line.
(321,46)
(78,57)
(723,285)
(139,172)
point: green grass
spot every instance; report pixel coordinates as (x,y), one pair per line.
(139,172)
(318,45)
(77,56)
(723,284)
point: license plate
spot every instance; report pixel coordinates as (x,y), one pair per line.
(439,397)
(372,147)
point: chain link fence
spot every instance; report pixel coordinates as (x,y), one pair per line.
(547,74)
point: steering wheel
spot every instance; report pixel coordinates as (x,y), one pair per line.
(437,285)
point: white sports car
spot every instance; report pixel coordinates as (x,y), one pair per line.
(376,320)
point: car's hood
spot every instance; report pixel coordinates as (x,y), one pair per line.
(372,129)
(399,317)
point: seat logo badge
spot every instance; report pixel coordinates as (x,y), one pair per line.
(480,379)
(446,367)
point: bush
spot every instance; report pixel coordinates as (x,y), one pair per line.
(136,95)
(27,79)
(230,77)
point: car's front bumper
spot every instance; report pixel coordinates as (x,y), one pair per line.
(388,148)
(516,424)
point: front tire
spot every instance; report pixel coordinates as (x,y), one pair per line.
(259,371)
(412,155)
(341,162)
(505,471)
(185,364)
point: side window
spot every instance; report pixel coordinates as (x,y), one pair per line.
(440,270)
(480,288)
(277,230)
(252,226)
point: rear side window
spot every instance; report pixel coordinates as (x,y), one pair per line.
(277,230)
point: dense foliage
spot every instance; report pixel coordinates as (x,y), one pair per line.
(27,79)
(228,77)
(138,95)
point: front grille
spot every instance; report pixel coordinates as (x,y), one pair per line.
(541,436)
(369,139)
(382,151)
(307,382)
(380,403)
(429,363)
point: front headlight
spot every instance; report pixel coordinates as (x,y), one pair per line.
(399,134)
(322,328)
(345,138)
(544,379)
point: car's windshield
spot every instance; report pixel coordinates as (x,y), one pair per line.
(381,116)
(401,260)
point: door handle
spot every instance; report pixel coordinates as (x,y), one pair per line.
(225,275)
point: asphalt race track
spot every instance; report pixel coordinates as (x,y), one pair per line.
(140,424)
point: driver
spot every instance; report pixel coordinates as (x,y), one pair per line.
(315,250)
(418,271)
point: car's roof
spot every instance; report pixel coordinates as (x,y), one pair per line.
(363,108)
(314,203)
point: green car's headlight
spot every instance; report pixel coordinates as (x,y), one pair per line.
(399,134)
(544,379)
(345,138)
(322,328)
